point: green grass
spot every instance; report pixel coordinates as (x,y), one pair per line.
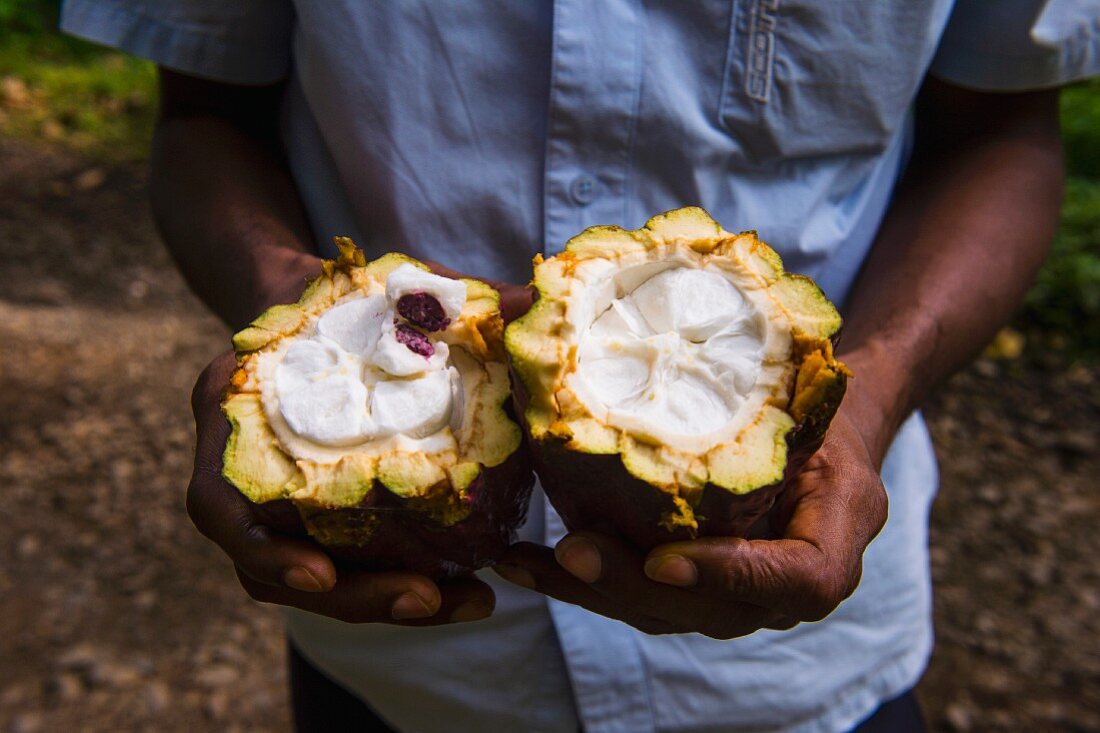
(62,91)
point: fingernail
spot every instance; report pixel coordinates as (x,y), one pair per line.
(580,557)
(515,575)
(410,605)
(299,578)
(470,611)
(672,570)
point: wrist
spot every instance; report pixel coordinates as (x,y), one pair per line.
(879,397)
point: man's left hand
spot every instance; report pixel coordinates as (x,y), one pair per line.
(727,587)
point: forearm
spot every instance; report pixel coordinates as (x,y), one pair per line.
(967,231)
(227,209)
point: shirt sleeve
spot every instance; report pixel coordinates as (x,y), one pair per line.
(232,41)
(1013,45)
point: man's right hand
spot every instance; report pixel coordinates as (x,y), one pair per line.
(276,562)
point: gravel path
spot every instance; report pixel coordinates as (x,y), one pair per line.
(116,616)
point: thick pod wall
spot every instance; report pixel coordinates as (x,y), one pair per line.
(373,485)
(606,468)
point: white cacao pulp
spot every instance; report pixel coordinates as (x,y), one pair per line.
(674,352)
(362,373)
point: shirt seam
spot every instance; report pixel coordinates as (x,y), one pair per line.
(179,26)
(635,109)
(193,48)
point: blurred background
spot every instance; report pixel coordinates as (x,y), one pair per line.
(115,615)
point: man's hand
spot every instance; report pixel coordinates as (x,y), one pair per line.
(728,587)
(275,560)
(963,237)
(515,300)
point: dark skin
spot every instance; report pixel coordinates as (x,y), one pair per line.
(968,228)
(230,215)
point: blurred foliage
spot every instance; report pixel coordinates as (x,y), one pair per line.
(101,103)
(1063,307)
(27,16)
(1081,129)
(1064,303)
(67,92)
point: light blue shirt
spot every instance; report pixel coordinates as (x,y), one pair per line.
(480,134)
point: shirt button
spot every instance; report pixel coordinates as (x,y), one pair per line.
(583,189)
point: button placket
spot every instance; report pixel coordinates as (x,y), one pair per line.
(608,700)
(594,93)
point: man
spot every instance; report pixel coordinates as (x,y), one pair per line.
(479,134)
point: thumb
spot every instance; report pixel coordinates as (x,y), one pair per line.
(792,577)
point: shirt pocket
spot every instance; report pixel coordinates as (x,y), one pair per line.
(805,78)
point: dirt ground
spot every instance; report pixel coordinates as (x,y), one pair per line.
(115,615)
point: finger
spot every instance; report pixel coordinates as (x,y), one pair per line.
(355,598)
(838,500)
(462,600)
(222,514)
(535,567)
(265,555)
(440,269)
(397,597)
(210,388)
(616,571)
(515,300)
(789,576)
(792,577)
(782,623)
(837,505)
